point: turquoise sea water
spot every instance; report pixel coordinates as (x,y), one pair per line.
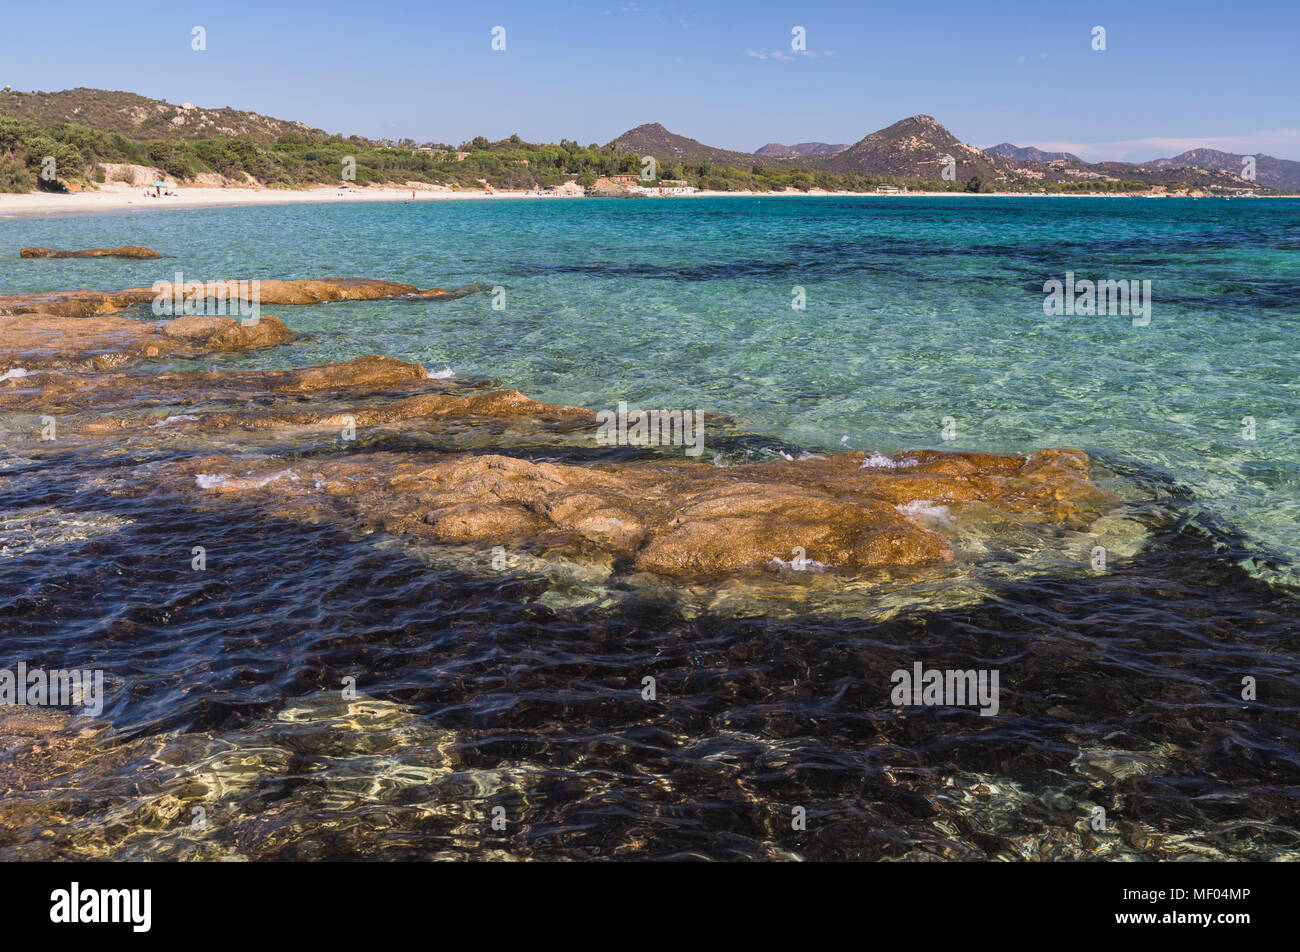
(522,689)
(916,310)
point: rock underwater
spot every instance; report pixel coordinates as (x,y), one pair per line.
(126,251)
(470,471)
(84,303)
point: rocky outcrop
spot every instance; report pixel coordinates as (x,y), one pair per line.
(126,251)
(483,468)
(214,334)
(682,520)
(605,187)
(108,391)
(312,291)
(105,342)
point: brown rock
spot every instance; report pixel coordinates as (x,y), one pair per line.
(82,303)
(681,519)
(362,372)
(227,334)
(471,522)
(76,388)
(668,516)
(194,327)
(107,342)
(126,251)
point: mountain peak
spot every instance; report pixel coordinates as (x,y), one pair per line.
(652,138)
(915,147)
(1029,154)
(1269,171)
(778,150)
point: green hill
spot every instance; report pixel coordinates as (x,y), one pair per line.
(91,133)
(668,147)
(138,117)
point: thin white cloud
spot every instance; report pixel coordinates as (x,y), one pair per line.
(787,54)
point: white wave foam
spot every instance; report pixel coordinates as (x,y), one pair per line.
(879,461)
(803,456)
(214,481)
(175,419)
(925,509)
(797,565)
(446,373)
(14,374)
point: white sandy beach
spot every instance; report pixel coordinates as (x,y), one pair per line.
(118,198)
(123,198)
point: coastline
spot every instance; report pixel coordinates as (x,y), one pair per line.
(114,198)
(339,505)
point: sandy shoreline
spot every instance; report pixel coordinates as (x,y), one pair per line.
(116,198)
(131,199)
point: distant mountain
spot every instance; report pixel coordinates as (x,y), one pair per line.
(916,148)
(654,139)
(775,150)
(1029,154)
(138,117)
(911,150)
(1269,172)
(1151,175)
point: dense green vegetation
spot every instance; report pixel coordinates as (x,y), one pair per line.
(138,117)
(303,158)
(295,156)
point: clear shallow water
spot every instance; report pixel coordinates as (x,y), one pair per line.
(917,310)
(1120,689)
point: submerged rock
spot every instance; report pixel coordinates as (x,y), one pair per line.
(126,251)
(107,391)
(226,334)
(684,520)
(104,342)
(368,371)
(83,303)
(456,482)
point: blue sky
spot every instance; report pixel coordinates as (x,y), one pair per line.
(1174,75)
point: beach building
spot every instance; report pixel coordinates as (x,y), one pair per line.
(662,189)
